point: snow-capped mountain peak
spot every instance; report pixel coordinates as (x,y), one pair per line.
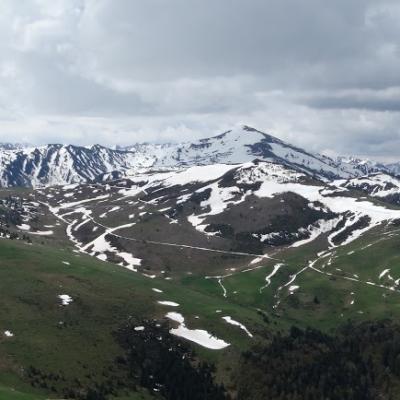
(57,164)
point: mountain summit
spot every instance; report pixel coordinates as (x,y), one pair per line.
(57,164)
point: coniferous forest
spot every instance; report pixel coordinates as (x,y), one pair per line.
(358,363)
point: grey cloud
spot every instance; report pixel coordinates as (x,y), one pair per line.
(323,75)
(378,100)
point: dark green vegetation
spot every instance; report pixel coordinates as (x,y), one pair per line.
(160,362)
(358,363)
(11,209)
(7,393)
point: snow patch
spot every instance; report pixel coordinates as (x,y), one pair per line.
(199,336)
(65,299)
(139,328)
(383,273)
(293,288)
(231,321)
(24,227)
(42,233)
(168,303)
(268,277)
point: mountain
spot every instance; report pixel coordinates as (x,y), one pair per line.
(247,144)
(366,167)
(393,168)
(56,164)
(379,185)
(13,146)
(122,265)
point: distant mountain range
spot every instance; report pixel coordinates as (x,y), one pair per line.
(56,164)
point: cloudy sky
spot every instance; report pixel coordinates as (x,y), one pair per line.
(322,74)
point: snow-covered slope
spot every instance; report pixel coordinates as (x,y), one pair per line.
(56,164)
(393,168)
(227,209)
(242,145)
(366,167)
(379,185)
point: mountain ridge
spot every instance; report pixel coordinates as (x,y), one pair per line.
(58,164)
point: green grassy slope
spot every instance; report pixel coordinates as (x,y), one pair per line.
(12,394)
(348,286)
(76,341)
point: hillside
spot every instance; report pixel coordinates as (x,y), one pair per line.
(189,265)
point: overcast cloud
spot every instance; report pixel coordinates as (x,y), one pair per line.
(321,74)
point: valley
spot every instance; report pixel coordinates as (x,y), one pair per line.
(210,254)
